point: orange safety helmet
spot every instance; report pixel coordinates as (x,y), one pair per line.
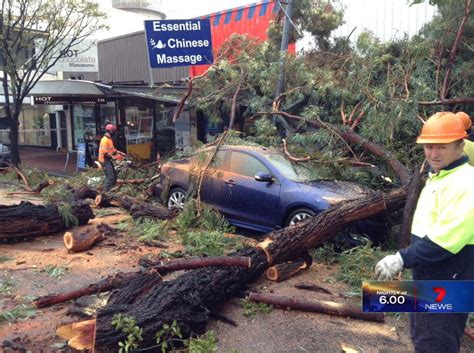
(466,120)
(442,127)
(110,127)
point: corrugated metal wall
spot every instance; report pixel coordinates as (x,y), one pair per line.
(125,58)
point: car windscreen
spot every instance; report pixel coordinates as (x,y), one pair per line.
(287,169)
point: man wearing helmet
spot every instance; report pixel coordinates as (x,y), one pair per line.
(107,152)
(468,145)
(442,241)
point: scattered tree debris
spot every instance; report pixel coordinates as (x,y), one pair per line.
(313,287)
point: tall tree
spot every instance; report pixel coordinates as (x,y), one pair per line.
(34,36)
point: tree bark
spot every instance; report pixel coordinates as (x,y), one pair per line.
(414,190)
(84,193)
(27,220)
(325,307)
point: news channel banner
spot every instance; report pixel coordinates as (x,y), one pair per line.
(418,296)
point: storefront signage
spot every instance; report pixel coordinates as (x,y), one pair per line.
(53,100)
(81,57)
(178,42)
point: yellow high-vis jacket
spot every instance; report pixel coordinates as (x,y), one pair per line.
(443,226)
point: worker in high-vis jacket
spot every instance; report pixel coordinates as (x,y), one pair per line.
(107,153)
(442,241)
(468,145)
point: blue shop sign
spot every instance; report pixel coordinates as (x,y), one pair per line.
(178,42)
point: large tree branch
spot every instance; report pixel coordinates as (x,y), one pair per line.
(402,172)
(458,100)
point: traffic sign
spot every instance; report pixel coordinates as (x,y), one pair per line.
(178,42)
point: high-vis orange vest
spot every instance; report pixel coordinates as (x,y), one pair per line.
(106,146)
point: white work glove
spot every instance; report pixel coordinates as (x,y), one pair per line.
(389,267)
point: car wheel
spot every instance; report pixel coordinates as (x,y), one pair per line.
(176,199)
(299,215)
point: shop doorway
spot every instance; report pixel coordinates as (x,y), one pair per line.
(63,128)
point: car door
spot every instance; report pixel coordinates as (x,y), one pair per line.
(245,199)
(212,182)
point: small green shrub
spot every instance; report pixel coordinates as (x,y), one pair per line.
(169,337)
(206,343)
(55,271)
(326,254)
(128,325)
(252,308)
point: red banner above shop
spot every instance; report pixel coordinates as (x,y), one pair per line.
(253,20)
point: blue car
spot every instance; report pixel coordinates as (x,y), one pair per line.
(253,187)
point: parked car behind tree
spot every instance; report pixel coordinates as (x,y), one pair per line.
(254,187)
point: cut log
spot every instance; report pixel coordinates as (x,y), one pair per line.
(82,239)
(286,270)
(324,307)
(28,220)
(192,296)
(111,282)
(313,287)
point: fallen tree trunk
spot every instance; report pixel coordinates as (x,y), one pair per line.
(292,242)
(164,267)
(189,298)
(27,220)
(84,193)
(136,208)
(317,306)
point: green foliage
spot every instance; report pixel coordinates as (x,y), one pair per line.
(169,336)
(55,194)
(206,343)
(207,242)
(55,271)
(7,285)
(20,312)
(357,265)
(251,308)
(326,254)
(128,326)
(65,210)
(150,229)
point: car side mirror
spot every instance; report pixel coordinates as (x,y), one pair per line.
(265,177)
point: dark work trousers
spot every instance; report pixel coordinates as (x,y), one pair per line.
(110,176)
(437,333)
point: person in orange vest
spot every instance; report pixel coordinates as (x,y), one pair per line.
(107,152)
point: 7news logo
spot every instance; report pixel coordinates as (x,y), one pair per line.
(438,304)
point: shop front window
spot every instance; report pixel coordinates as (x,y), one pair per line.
(83,122)
(35,127)
(107,115)
(165,132)
(139,128)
